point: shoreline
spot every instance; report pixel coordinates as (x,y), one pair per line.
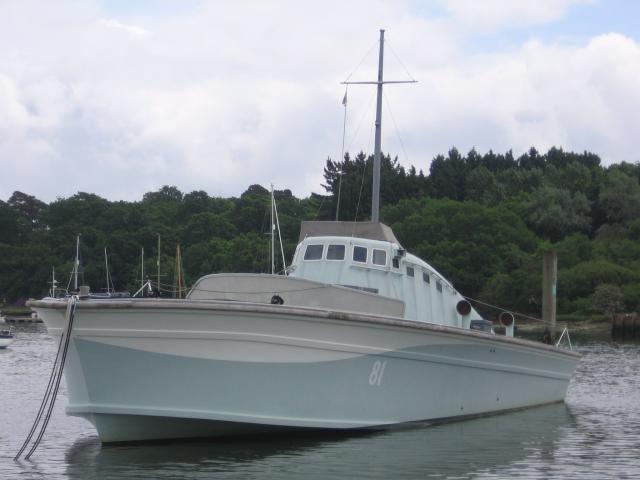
(597,328)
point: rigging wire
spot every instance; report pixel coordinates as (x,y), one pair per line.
(262,292)
(319,208)
(361,121)
(357,131)
(395,126)
(293,290)
(375,44)
(344,131)
(398,58)
(365,114)
(364,170)
(521,315)
(257,260)
(275,209)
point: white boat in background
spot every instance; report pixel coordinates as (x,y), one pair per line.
(361,334)
(6,337)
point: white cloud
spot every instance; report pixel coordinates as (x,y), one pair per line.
(581,98)
(13,115)
(133,30)
(487,15)
(226,95)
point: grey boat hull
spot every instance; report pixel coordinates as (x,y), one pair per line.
(149,370)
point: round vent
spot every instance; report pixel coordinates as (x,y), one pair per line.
(506,319)
(463,307)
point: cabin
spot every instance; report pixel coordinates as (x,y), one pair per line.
(361,267)
(367,256)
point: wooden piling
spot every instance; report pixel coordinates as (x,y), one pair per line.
(616,326)
(625,326)
(628,327)
(549,283)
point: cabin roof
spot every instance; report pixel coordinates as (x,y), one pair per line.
(369,230)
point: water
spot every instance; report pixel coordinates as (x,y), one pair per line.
(595,435)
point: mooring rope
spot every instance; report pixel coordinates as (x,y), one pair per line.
(54,383)
(517,314)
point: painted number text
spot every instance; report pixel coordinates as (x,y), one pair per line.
(375,378)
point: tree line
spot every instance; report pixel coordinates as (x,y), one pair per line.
(482,220)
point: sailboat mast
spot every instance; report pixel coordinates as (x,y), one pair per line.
(77,264)
(106,268)
(179,286)
(158,263)
(375,196)
(277,226)
(142,268)
(53,282)
(273,243)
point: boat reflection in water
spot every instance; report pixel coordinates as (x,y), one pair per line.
(490,444)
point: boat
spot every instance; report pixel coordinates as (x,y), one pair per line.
(56,292)
(6,337)
(360,334)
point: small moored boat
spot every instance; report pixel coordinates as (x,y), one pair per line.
(6,337)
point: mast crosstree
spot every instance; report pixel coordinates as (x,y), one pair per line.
(375,193)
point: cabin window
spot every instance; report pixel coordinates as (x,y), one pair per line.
(439,285)
(426,277)
(360,254)
(396,262)
(379,257)
(335,252)
(410,272)
(313,252)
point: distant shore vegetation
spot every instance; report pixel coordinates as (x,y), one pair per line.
(482,220)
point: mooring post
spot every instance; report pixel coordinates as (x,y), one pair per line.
(549,283)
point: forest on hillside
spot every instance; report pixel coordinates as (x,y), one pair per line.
(483,220)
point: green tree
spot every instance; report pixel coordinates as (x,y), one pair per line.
(607,299)
(554,213)
(467,242)
(447,176)
(204,226)
(483,187)
(620,197)
(354,180)
(29,211)
(9,226)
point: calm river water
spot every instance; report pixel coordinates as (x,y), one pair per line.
(595,435)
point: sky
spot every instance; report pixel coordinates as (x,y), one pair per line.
(121,97)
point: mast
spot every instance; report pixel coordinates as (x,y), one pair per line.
(339,189)
(273,238)
(284,263)
(54,284)
(158,264)
(344,131)
(106,267)
(375,193)
(179,286)
(77,264)
(142,268)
